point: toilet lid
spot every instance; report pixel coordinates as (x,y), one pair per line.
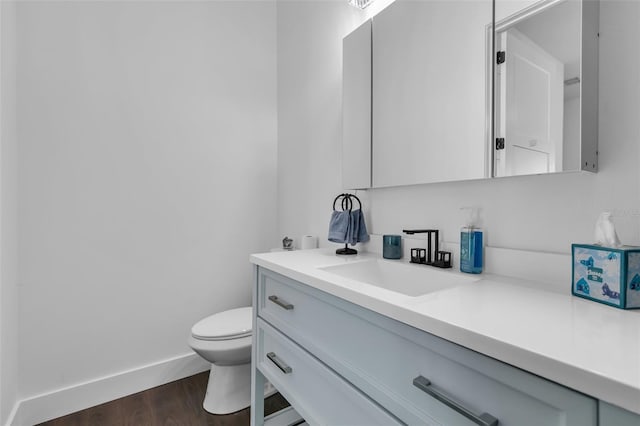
(231,324)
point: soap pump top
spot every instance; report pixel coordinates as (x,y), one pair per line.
(472,217)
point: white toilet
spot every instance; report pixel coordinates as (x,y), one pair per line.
(224,339)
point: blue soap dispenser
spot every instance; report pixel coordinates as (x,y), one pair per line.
(471,243)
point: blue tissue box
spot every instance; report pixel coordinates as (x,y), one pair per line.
(607,275)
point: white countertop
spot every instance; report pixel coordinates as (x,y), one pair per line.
(583,345)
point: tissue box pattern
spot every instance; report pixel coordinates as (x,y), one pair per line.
(607,275)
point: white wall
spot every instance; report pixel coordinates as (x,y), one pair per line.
(8,216)
(535,212)
(147,175)
(310,112)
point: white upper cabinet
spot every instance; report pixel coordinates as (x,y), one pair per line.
(356,108)
(435,91)
(430,96)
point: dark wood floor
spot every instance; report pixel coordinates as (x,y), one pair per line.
(176,403)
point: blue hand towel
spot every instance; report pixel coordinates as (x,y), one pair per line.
(362,228)
(339,226)
(352,231)
(357,232)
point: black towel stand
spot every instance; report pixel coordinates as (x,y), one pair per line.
(347,205)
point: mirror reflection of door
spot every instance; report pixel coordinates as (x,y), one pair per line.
(531,107)
(538,88)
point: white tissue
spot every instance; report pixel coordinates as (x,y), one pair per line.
(605,232)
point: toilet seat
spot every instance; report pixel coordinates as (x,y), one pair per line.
(231,324)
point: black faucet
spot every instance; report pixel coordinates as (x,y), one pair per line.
(418,258)
(441,259)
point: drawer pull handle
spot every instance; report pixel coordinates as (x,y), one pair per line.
(483,419)
(279,363)
(281,303)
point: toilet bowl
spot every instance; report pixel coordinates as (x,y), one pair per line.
(224,339)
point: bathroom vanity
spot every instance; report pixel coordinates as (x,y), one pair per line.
(408,344)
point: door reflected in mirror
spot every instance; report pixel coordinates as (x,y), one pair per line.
(539,94)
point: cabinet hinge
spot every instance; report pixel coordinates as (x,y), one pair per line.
(499,143)
(501,56)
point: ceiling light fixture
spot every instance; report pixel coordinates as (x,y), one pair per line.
(360,3)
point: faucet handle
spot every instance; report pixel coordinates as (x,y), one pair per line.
(418,255)
(443,259)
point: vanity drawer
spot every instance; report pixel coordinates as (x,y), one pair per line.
(383,358)
(317,393)
(285,301)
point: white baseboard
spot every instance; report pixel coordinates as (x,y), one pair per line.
(51,405)
(13,414)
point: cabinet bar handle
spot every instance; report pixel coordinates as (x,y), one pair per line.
(281,303)
(483,419)
(279,363)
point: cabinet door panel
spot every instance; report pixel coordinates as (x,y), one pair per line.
(356,108)
(611,415)
(429,91)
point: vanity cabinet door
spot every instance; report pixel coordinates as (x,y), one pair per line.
(318,394)
(384,358)
(611,415)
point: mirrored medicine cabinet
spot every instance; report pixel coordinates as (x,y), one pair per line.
(434,91)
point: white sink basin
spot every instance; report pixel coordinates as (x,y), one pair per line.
(406,278)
